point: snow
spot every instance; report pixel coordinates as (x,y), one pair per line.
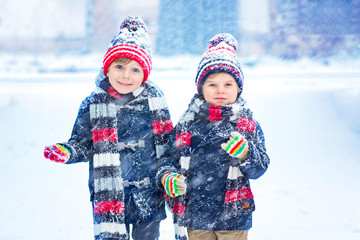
(308,109)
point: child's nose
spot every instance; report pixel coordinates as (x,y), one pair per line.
(126,73)
(220,89)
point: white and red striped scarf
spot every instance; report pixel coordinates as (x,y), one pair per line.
(109,216)
(238,195)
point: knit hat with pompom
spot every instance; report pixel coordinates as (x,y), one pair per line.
(131,42)
(220,57)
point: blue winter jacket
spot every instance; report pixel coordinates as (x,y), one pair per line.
(133,124)
(207,174)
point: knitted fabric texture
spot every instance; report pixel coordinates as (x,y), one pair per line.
(169,184)
(238,146)
(131,42)
(109,216)
(238,195)
(220,57)
(57,153)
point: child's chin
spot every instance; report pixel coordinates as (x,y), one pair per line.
(125,90)
(219,103)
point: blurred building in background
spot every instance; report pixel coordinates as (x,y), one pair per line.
(186,26)
(314,27)
(285,28)
(68,25)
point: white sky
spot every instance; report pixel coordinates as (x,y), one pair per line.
(42,19)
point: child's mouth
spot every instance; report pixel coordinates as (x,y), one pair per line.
(124,84)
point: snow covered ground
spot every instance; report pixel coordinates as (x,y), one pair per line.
(309,111)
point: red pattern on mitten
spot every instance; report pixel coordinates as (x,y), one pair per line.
(57,153)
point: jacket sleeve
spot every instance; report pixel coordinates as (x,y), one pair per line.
(258,161)
(80,142)
(169,162)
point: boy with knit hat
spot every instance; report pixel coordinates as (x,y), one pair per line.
(122,130)
(220,147)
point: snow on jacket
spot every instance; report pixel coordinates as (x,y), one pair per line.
(135,145)
(203,205)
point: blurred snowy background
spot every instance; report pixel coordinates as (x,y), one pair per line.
(301,61)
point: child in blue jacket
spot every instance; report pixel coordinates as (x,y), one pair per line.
(122,129)
(220,146)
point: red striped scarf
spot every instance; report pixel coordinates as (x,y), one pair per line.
(109,216)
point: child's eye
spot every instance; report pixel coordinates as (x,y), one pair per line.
(119,66)
(136,70)
(228,84)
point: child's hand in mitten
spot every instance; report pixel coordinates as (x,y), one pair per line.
(57,153)
(174,184)
(237,146)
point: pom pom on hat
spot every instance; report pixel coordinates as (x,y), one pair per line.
(133,23)
(131,42)
(220,57)
(224,38)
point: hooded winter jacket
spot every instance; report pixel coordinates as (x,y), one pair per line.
(207,176)
(214,200)
(135,145)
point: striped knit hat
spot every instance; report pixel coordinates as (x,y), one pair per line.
(131,42)
(221,57)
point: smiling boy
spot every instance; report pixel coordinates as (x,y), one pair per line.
(122,130)
(125,75)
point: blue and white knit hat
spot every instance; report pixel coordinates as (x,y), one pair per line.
(221,57)
(131,42)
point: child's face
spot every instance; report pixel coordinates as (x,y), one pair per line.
(125,77)
(220,89)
